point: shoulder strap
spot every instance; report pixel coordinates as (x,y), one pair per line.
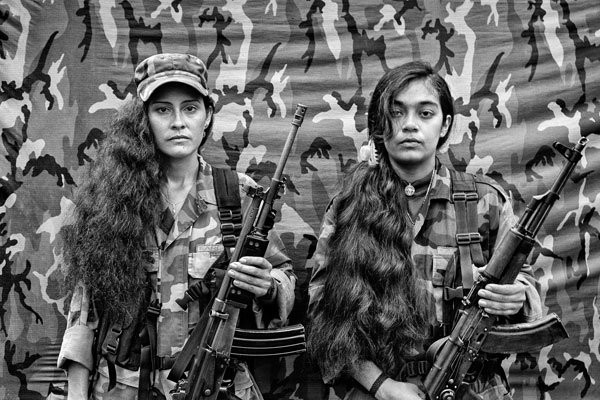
(229,203)
(468,239)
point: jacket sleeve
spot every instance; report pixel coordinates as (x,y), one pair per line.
(285,283)
(78,338)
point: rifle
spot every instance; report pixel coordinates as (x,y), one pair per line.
(474,332)
(210,343)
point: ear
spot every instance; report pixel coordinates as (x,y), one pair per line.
(446,125)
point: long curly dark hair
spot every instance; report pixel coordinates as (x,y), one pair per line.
(372,306)
(115,207)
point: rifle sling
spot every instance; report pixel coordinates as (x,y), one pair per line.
(525,337)
(189,349)
(148,352)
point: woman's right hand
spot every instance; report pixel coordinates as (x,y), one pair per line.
(395,390)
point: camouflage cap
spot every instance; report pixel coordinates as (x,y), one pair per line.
(159,69)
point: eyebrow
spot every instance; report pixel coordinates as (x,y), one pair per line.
(168,102)
(420,104)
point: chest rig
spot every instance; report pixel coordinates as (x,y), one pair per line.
(131,343)
(459,278)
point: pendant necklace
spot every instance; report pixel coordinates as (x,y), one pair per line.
(409,190)
(172,206)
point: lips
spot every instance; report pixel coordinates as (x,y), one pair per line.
(178,137)
(410,141)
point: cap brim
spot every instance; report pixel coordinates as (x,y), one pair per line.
(145,91)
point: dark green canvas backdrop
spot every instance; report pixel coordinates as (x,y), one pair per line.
(524,73)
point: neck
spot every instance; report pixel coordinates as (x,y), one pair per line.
(413,172)
(182,172)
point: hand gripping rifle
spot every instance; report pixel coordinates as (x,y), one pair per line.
(474,332)
(209,347)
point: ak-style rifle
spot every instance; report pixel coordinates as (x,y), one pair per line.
(475,332)
(212,344)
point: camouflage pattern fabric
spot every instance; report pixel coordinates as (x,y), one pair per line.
(524,73)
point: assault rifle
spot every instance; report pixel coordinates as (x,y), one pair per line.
(474,332)
(209,347)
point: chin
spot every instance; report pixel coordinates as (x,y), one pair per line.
(408,159)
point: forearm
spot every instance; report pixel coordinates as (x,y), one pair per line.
(369,374)
(365,373)
(78,379)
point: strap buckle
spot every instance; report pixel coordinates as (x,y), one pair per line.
(229,240)
(453,293)
(153,309)
(464,196)
(468,238)
(111,343)
(229,228)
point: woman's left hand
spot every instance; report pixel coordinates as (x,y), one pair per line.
(252,274)
(502,299)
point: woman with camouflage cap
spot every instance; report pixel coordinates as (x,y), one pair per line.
(387,276)
(145,227)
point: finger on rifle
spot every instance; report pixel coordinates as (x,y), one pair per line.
(260,262)
(498,308)
(257,285)
(514,292)
(250,270)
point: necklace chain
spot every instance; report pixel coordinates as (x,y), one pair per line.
(410,218)
(172,205)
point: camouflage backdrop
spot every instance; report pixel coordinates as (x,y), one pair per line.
(524,73)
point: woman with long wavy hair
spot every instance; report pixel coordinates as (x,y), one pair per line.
(377,291)
(145,227)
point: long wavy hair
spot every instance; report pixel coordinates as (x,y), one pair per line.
(372,305)
(116,206)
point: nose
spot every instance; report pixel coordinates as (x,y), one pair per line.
(177,121)
(409,123)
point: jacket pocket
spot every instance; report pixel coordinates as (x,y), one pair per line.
(203,258)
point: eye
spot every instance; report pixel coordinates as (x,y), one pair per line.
(396,112)
(161,109)
(191,108)
(427,113)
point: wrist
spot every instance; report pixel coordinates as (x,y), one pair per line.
(271,294)
(376,390)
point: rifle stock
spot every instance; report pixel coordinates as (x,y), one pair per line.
(209,347)
(475,330)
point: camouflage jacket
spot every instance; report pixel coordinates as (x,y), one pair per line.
(191,242)
(434,248)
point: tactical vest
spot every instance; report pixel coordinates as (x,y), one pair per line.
(131,343)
